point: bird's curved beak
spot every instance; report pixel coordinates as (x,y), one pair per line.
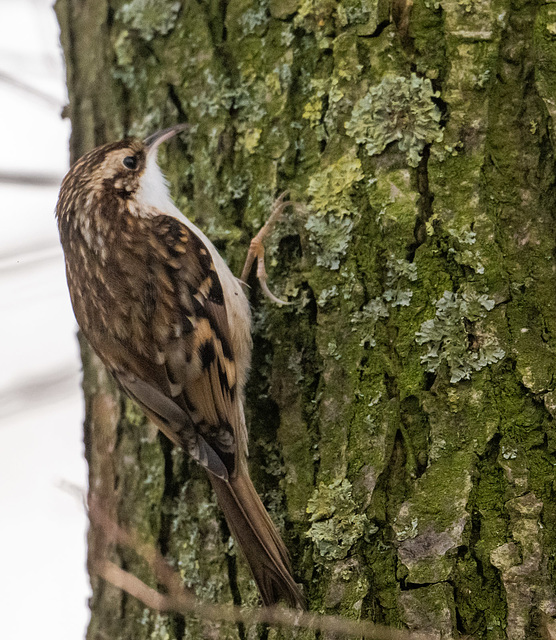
(156,139)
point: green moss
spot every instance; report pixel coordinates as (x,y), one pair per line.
(331,90)
(397,110)
(295,434)
(336,524)
(430,525)
(478,598)
(429,38)
(430,607)
(545,29)
(395,202)
(140,488)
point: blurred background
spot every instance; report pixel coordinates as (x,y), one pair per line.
(43,586)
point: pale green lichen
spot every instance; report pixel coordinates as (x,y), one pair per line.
(144,126)
(280,78)
(331,188)
(375,309)
(273,466)
(399,270)
(287,36)
(327,295)
(399,273)
(249,97)
(150,17)
(313,15)
(482,80)
(336,523)
(398,110)
(125,69)
(464,250)
(447,337)
(217,95)
(313,109)
(255,17)
(467,6)
(355,12)
(237,186)
(133,414)
(193,524)
(159,623)
(330,238)
(331,226)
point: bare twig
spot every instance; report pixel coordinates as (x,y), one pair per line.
(186,603)
(12,81)
(183,601)
(31,179)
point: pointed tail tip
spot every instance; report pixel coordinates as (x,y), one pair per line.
(259,541)
(279,591)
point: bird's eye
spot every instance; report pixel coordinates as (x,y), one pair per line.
(130,162)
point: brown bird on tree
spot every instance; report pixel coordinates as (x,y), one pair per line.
(172,324)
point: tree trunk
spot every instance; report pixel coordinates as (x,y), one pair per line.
(401,409)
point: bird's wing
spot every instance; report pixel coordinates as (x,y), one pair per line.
(177,361)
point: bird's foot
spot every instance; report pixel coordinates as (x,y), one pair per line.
(256,248)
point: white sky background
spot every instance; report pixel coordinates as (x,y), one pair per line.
(43,584)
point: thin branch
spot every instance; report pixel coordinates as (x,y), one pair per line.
(184,601)
(31,179)
(12,81)
(55,385)
(130,584)
(29,257)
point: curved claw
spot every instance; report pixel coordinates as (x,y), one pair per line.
(268,293)
(256,248)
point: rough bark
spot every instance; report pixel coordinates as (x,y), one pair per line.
(401,409)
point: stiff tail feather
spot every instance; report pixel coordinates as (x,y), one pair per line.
(259,540)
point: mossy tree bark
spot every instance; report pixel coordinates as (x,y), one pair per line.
(401,409)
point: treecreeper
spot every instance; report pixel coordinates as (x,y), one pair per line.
(172,324)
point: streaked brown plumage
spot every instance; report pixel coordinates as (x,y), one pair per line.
(172,324)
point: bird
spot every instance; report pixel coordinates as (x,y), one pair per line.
(172,324)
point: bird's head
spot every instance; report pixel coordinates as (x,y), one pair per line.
(115,176)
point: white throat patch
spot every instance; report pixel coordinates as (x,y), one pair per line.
(153,191)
